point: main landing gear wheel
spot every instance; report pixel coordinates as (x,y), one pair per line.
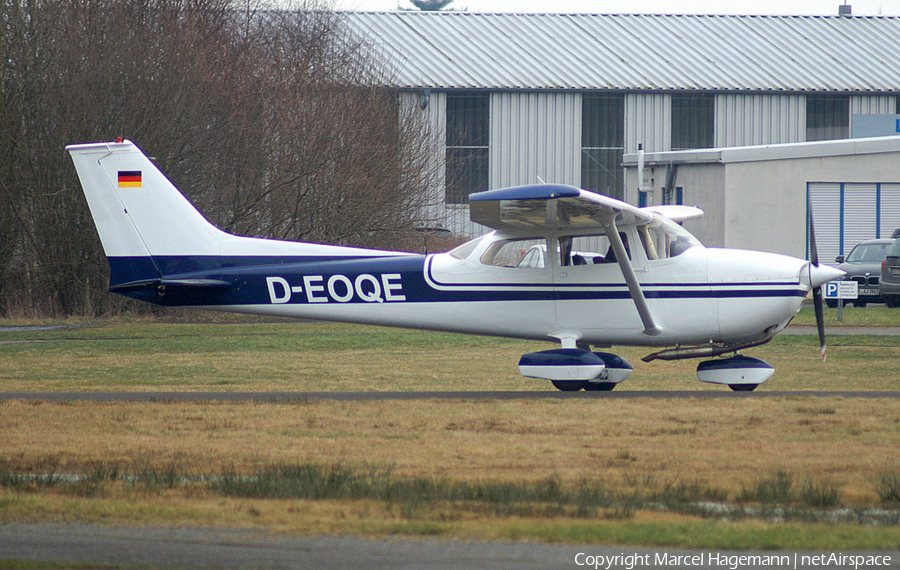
(599,386)
(743,387)
(568,385)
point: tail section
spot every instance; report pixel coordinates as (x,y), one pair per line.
(139,214)
(150,232)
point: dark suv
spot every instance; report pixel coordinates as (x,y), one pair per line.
(890,275)
(863,265)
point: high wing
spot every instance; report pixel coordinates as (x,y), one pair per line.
(551,206)
(676,212)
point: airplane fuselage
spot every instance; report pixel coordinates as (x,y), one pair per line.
(703,295)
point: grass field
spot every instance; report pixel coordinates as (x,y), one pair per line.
(693,473)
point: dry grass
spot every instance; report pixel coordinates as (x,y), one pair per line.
(725,443)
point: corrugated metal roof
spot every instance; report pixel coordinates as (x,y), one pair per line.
(462,50)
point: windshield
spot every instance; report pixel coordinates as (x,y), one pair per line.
(868,253)
(664,239)
(463,251)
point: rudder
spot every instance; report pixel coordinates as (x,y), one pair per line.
(138,212)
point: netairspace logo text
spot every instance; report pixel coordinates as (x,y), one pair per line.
(730,561)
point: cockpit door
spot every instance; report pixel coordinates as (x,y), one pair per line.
(591,289)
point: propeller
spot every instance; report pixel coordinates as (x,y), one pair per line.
(817,289)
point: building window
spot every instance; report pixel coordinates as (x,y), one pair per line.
(693,117)
(827,117)
(468,134)
(673,196)
(603,143)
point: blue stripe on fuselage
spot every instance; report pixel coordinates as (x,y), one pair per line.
(265,280)
(130,269)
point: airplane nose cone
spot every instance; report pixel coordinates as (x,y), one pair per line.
(822,274)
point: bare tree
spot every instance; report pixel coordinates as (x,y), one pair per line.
(338,166)
(271,122)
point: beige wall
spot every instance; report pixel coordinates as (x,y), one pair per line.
(765,202)
(761,205)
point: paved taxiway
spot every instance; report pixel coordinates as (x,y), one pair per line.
(282,397)
(75,545)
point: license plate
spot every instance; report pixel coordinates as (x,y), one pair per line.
(870,292)
(895,271)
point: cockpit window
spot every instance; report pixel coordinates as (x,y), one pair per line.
(588,250)
(534,258)
(519,253)
(664,239)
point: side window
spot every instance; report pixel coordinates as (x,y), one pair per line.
(588,250)
(534,259)
(518,253)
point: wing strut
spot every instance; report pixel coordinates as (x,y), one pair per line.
(637,294)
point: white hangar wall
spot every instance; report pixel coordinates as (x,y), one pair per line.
(537,135)
(648,121)
(534,135)
(543,72)
(754,119)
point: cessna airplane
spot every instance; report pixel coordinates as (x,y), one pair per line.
(563,265)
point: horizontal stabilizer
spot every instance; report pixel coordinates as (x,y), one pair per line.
(153,284)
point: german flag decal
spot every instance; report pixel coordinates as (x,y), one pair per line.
(129,179)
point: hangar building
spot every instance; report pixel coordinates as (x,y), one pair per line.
(564,98)
(757,197)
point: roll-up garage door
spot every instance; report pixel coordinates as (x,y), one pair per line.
(848,213)
(889,213)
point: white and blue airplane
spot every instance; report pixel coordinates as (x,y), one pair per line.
(562,264)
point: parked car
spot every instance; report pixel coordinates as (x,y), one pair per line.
(890,275)
(863,265)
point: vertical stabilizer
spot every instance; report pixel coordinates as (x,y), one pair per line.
(150,231)
(139,213)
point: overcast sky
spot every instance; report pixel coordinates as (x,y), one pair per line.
(790,7)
